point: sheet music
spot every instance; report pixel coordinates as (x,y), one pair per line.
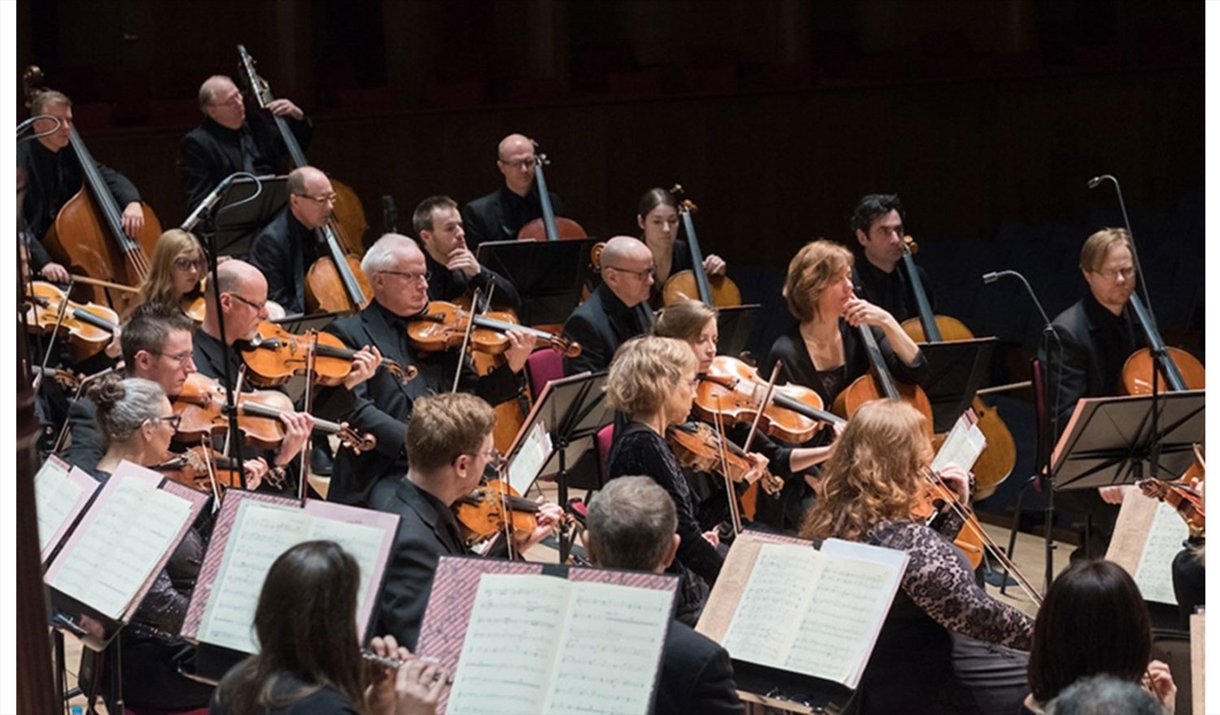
(130,533)
(509,648)
(776,597)
(963,445)
(361,541)
(55,497)
(535,450)
(1154,575)
(261,532)
(611,649)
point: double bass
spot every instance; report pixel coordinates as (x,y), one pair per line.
(87,236)
(335,283)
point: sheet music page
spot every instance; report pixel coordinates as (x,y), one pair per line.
(509,649)
(1154,575)
(130,534)
(775,599)
(261,532)
(1198,662)
(361,541)
(610,654)
(55,496)
(534,452)
(963,445)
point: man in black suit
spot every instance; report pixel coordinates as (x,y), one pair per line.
(450,445)
(617,311)
(877,225)
(453,267)
(499,215)
(632,524)
(397,270)
(228,141)
(285,249)
(1096,335)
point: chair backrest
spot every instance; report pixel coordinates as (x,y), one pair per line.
(1172,647)
(605,437)
(544,364)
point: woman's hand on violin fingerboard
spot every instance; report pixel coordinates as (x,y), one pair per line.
(958,480)
(520,345)
(298,426)
(364,365)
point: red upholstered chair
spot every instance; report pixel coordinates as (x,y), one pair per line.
(544,364)
(605,437)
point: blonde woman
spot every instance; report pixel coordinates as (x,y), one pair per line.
(178,268)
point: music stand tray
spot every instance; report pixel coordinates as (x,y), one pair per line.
(238,217)
(1109,440)
(549,275)
(955,373)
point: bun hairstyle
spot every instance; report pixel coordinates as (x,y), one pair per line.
(124,405)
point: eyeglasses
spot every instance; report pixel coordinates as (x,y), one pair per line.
(494,458)
(186,264)
(230,102)
(172,420)
(181,358)
(425,276)
(260,307)
(651,271)
(529,163)
(327,199)
(1113,273)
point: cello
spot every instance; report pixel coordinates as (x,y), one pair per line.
(1000,455)
(1177,369)
(550,227)
(88,236)
(694,284)
(334,283)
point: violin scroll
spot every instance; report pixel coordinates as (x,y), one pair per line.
(355,441)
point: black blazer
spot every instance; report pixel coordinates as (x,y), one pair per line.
(696,675)
(499,215)
(426,532)
(210,152)
(601,324)
(382,405)
(284,250)
(446,285)
(87,448)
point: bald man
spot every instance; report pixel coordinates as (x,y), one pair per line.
(617,311)
(229,140)
(286,248)
(499,215)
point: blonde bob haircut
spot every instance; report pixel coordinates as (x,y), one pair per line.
(875,474)
(684,321)
(810,272)
(645,371)
(158,286)
(1096,247)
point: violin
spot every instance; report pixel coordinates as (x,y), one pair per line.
(550,227)
(90,327)
(1177,369)
(935,499)
(196,466)
(1186,501)
(696,445)
(444,325)
(494,508)
(274,355)
(734,390)
(695,284)
(201,405)
(999,457)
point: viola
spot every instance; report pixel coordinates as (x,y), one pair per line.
(494,508)
(695,284)
(1186,501)
(201,405)
(444,325)
(734,390)
(935,499)
(274,355)
(696,445)
(195,468)
(1176,369)
(90,327)
(550,227)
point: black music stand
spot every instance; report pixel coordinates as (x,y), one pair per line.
(549,275)
(955,373)
(573,409)
(238,218)
(735,325)
(299,323)
(1110,440)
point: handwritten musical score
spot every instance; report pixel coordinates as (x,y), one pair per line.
(573,647)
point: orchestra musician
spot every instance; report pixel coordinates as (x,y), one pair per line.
(617,310)
(229,141)
(453,269)
(54,175)
(499,215)
(449,446)
(398,272)
(309,659)
(658,219)
(137,425)
(633,525)
(877,225)
(1095,337)
(287,246)
(176,270)
(871,487)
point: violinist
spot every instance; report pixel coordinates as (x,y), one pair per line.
(1097,335)
(177,270)
(55,175)
(499,215)
(398,272)
(137,425)
(658,219)
(617,310)
(449,446)
(453,268)
(927,652)
(285,248)
(229,141)
(877,225)
(632,525)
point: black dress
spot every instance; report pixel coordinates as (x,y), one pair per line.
(323,701)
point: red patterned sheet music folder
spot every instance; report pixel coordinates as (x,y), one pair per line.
(456,585)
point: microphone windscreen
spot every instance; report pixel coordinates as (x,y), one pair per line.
(990,277)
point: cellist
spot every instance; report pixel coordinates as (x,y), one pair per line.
(499,215)
(54,175)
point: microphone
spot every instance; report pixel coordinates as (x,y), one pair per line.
(1096,181)
(995,276)
(26,125)
(210,201)
(989,278)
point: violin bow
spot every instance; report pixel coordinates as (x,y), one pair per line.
(457,374)
(730,489)
(59,321)
(762,406)
(80,390)
(311,355)
(206,441)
